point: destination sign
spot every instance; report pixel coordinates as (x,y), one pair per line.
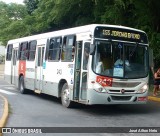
(120,34)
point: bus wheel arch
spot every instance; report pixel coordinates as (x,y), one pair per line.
(21,85)
(64,94)
(60,85)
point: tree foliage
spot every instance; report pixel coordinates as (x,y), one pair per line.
(38,16)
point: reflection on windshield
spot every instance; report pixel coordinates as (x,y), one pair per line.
(119,59)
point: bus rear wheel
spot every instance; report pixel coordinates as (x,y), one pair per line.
(21,85)
(66,102)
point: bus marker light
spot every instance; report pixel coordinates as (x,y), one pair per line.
(142,98)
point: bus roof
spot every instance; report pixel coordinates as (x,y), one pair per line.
(69,31)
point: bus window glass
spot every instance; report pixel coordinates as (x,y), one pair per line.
(86,55)
(9,52)
(23,53)
(84,86)
(39,56)
(68,48)
(14,57)
(54,49)
(123,60)
(32,50)
(103,58)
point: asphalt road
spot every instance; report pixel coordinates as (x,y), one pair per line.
(33,110)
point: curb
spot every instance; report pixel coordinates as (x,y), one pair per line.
(4,117)
(152,98)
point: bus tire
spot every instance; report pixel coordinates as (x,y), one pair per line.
(66,102)
(21,85)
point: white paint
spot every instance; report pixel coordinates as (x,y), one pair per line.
(6,92)
(6,85)
(10,88)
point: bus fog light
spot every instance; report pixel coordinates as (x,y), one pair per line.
(143,89)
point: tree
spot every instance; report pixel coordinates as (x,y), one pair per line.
(11,24)
(31,5)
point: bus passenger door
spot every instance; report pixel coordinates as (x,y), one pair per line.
(39,69)
(81,71)
(14,68)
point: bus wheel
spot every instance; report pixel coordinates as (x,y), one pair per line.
(65,97)
(21,85)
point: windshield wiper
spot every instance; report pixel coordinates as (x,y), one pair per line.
(133,51)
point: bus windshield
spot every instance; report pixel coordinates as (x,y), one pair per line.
(120,59)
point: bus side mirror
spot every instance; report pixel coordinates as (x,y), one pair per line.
(92,49)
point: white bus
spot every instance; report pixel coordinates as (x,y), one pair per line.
(92,64)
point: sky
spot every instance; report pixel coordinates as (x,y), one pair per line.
(13,1)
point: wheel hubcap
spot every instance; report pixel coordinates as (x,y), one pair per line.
(66,96)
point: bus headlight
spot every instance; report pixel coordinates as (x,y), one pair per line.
(99,88)
(143,89)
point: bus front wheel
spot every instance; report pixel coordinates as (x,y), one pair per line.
(21,85)
(66,102)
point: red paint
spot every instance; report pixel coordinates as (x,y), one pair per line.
(22,67)
(104,81)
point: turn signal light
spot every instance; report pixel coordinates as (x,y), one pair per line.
(142,98)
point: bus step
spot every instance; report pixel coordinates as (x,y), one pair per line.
(37,91)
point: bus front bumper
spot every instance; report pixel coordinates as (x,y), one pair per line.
(106,98)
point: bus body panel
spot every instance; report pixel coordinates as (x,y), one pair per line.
(30,75)
(48,76)
(53,73)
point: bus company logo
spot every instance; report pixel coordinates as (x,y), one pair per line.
(122,91)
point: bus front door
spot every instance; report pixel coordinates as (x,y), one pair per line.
(39,69)
(14,69)
(81,71)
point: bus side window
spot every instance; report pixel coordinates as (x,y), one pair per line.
(23,51)
(68,49)
(32,50)
(9,52)
(54,48)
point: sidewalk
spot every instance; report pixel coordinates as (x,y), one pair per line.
(153,98)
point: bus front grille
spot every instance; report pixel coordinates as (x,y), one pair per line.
(121,98)
(118,91)
(125,85)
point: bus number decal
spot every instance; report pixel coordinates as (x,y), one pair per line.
(104,81)
(59,71)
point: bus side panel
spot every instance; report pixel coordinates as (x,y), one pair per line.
(30,75)
(54,72)
(50,82)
